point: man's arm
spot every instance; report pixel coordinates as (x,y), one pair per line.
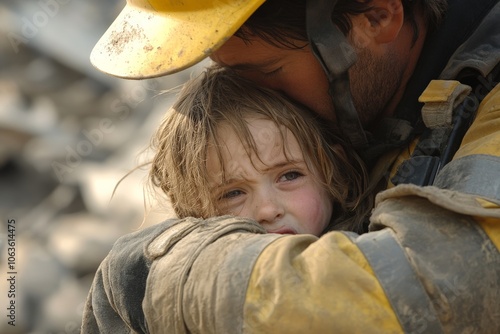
(114,303)
(428,270)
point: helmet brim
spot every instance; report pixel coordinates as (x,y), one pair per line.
(144,42)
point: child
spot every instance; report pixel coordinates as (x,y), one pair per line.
(230,147)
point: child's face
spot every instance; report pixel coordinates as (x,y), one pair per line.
(279,193)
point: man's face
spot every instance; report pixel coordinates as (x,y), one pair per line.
(294,72)
(374,78)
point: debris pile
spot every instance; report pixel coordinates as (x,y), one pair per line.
(68,135)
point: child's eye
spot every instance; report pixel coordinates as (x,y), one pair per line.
(289,176)
(231,194)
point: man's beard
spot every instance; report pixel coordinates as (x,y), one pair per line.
(374,81)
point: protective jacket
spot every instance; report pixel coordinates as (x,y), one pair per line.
(430,264)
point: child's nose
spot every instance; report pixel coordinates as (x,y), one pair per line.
(269,210)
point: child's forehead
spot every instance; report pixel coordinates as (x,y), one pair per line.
(257,139)
(254,132)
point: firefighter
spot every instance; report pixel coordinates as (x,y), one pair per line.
(412,86)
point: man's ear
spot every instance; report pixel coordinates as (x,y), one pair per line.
(382,23)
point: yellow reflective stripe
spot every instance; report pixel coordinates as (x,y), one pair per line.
(300,284)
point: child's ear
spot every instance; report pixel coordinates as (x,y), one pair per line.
(381,24)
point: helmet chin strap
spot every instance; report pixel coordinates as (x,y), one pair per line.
(336,55)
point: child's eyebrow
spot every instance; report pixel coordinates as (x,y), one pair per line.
(226,182)
(217,188)
(282,164)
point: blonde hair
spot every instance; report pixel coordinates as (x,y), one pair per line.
(218,96)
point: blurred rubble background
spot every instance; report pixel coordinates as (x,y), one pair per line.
(68,134)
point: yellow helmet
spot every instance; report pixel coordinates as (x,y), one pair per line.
(151,38)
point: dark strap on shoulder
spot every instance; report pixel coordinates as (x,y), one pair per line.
(336,56)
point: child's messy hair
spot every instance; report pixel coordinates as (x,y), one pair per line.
(219,96)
